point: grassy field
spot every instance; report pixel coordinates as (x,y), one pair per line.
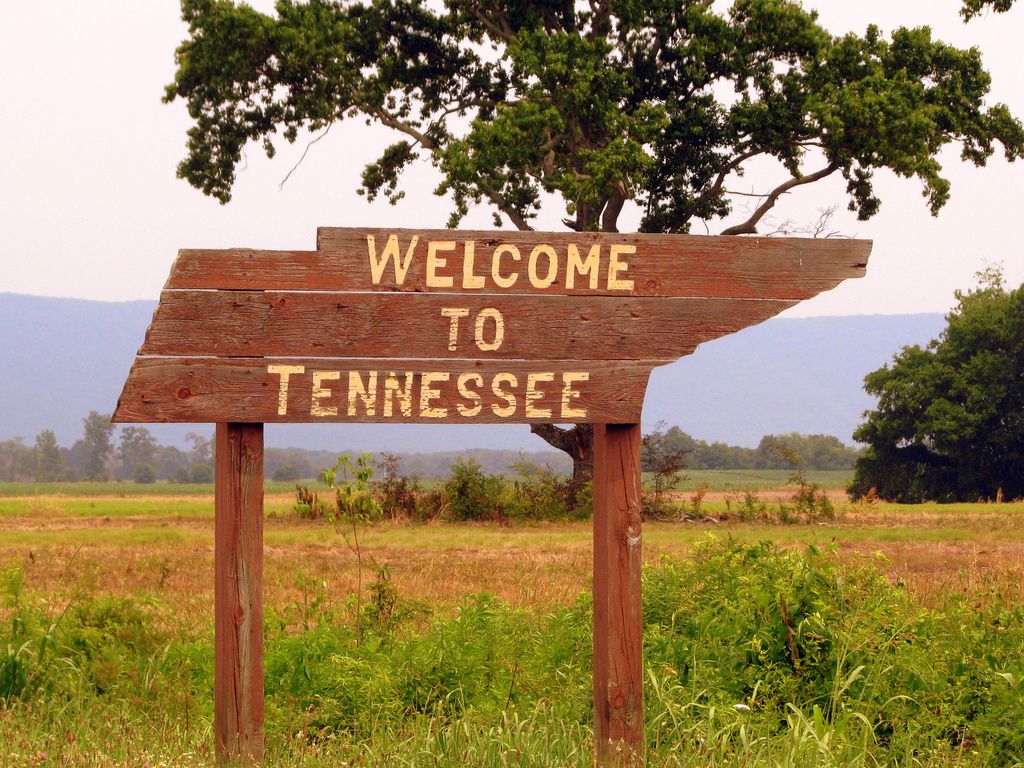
(127,580)
(717,479)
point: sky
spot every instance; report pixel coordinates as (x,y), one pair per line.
(90,206)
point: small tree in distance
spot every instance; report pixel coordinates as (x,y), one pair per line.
(664,460)
(949,425)
(49,461)
(590,107)
(97,444)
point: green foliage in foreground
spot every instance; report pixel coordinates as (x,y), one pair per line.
(756,656)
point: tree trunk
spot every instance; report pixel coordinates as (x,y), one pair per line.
(578,442)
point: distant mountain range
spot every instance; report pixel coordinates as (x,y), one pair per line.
(61,358)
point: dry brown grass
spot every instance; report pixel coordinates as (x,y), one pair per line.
(975,551)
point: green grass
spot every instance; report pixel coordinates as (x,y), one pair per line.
(124,679)
(754,656)
(123,489)
(718,479)
(758,479)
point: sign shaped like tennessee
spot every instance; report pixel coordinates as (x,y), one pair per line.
(442,326)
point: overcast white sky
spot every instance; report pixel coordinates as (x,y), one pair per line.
(90,206)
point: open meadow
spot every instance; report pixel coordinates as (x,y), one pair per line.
(892,635)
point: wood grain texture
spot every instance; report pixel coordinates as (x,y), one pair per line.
(618,619)
(238,594)
(195,390)
(663,265)
(295,324)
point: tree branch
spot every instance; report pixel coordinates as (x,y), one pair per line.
(556,437)
(612,209)
(749,227)
(427,143)
(503,32)
(600,23)
(502,205)
(716,188)
(304,153)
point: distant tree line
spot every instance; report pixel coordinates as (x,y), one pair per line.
(132,453)
(784,451)
(103,453)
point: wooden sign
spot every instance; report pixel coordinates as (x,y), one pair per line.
(521,327)
(442,327)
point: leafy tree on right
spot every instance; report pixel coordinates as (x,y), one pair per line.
(950,419)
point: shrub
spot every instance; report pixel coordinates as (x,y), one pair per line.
(396,493)
(539,493)
(309,505)
(471,494)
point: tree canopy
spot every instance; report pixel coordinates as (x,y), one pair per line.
(950,419)
(660,103)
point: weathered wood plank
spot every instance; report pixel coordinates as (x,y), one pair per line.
(194,390)
(295,324)
(618,620)
(654,265)
(238,594)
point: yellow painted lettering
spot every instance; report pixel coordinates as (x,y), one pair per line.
(392,389)
(320,393)
(569,394)
(390,253)
(535,279)
(533,394)
(469,394)
(358,391)
(435,261)
(470,280)
(284,371)
(499,329)
(615,266)
(509,397)
(428,394)
(590,266)
(454,313)
(500,280)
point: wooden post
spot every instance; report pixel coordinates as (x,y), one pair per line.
(618,621)
(238,595)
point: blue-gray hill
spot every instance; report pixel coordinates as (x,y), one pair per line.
(62,358)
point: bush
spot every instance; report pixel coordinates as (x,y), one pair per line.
(396,493)
(309,505)
(539,493)
(471,494)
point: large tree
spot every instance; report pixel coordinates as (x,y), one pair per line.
(949,425)
(661,104)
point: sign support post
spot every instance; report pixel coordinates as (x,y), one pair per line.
(238,594)
(618,620)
